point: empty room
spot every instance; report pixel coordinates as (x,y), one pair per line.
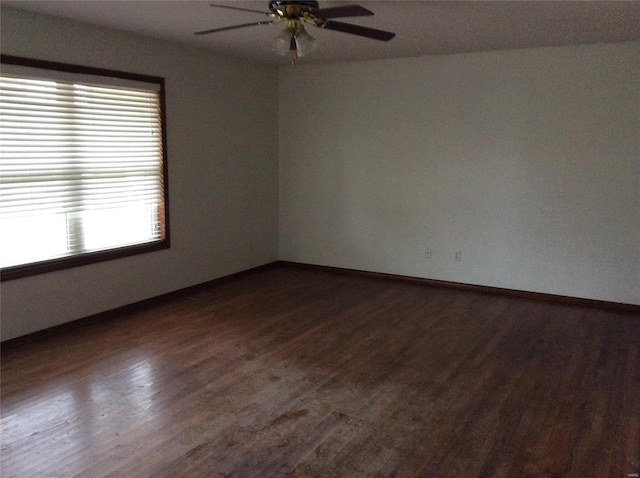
(346,239)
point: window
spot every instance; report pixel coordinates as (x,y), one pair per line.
(83,172)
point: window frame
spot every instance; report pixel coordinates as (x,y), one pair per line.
(67,262)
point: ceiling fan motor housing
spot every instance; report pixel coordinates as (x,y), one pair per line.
(292,8)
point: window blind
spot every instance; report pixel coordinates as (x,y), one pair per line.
(81,168)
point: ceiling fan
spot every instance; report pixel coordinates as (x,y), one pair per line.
(295,13)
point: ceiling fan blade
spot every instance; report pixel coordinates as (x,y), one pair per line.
(244,25)
(238,8)
(341,12)
(358,30)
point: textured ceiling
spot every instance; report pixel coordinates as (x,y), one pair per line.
(422,27)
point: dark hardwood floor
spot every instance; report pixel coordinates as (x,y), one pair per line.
(293,372)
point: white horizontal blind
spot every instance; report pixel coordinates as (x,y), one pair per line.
(80,168)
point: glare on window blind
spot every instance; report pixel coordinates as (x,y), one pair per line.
(80,168)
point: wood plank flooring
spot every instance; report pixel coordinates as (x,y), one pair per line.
(291,372)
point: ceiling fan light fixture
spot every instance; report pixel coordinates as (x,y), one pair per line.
(282,43)
(294,39)
(305,43)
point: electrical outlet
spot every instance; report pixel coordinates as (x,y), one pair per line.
(427,253)
(458,256)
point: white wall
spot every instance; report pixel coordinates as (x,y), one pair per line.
(527,161)
(223,171)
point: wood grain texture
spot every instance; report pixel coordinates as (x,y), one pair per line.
(521,294)
(291,372)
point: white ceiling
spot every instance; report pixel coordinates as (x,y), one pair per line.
(424,27)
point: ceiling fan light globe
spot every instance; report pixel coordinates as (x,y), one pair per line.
(282,43)
(305,43)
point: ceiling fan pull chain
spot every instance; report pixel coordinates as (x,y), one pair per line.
(294,57)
